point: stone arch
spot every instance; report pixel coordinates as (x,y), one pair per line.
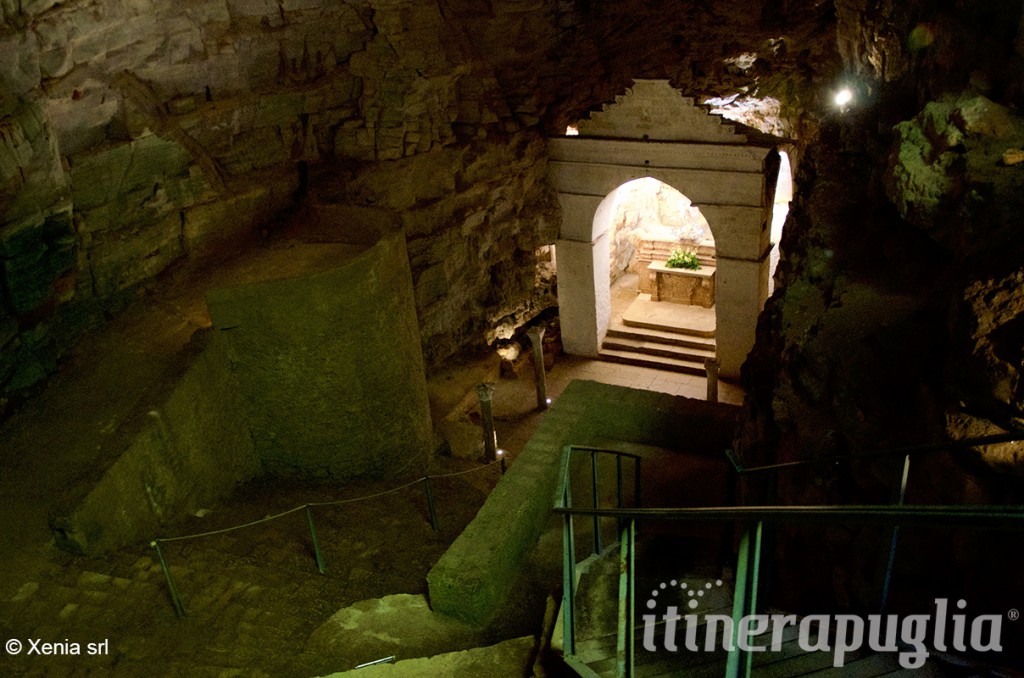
(731,181)
(674,209)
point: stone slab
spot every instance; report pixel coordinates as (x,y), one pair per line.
(336,382)
(510,658)
(400,625)
(669,317)
(474,577)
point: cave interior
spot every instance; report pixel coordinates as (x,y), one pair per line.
(257,255)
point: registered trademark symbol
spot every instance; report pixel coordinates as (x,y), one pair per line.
(1013,614)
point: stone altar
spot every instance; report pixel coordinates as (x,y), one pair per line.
(682,285)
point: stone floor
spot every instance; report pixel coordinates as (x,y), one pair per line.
(253,596)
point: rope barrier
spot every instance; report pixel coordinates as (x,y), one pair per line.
(179,607)
(267,519)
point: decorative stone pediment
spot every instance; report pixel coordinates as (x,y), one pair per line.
(654,110)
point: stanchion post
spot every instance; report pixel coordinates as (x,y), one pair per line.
(484,393)
(316,542)
(179,609)
(430,503)
(711,367)
(536,335)
(501,458)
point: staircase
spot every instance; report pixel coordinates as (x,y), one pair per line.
(651,335)
(596,641)
(614,599)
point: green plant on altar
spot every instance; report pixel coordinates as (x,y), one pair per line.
(680,258)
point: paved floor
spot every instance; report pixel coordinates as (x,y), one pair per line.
(253,597)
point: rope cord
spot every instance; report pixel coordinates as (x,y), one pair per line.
(311,504)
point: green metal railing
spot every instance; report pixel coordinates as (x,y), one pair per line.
(739,661)
(627,541)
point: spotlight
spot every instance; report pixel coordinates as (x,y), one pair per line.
(844,97)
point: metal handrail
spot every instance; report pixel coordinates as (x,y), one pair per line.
(892,452)
(627,531)
(901,490)
(748,562)
(864,514)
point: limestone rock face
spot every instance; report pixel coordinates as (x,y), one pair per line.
(894,320)
(947,176)
(987,361)
(135,136)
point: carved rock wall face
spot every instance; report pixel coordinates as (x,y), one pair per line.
(136,135)
(139,134)
(896,312)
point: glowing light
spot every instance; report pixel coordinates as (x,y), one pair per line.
(549,401)
(501,452)
(572,131)
(843,97)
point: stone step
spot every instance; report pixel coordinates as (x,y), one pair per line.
(654,362)
(655,324)
(658,350)
(674,338)
(664,316)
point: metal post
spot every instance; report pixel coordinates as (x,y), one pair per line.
(484,393)
(636,483)
(179,609)
(501,458)
(627,578)
(598,542)
(430,503)
(536,335)
(618,488)
(748,563)
(568,578)
(711,368)
(887,580)
(316,542)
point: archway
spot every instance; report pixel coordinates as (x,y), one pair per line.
(649,223)
(653,131)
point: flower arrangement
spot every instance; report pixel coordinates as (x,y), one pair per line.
(680,258)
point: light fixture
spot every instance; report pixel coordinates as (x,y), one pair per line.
(844,97)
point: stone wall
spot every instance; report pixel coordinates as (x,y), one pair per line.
(134,136)
(140,135)
(334,383)
(188,451)
(474,217)
(474,577)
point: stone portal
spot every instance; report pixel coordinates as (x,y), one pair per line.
(653,131)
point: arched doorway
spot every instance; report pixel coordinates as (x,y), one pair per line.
(653,131)
(649,223)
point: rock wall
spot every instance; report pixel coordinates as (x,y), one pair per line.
(137,135)
(335,384)
(896,312)
(188,451)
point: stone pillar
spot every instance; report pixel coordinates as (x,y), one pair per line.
(484,393)
(711,368)
(740,292)
(583,287)
(536,335)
